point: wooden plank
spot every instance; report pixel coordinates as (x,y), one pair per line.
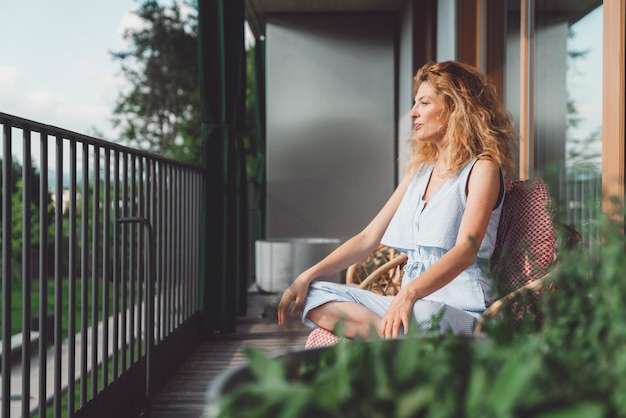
(184,395)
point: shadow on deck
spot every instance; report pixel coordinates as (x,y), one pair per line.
(184,395)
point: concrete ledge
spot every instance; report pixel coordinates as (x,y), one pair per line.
(16,347)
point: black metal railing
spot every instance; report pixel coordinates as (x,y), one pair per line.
(100,271)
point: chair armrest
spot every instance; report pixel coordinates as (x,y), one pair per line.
(497,306)
(389,265)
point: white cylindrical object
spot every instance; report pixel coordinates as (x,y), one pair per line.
(280,260)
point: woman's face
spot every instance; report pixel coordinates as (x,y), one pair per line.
(426,112)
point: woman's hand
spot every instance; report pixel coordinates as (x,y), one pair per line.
(296,294)
(398,315)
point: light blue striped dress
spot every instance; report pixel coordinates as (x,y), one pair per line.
(434,231)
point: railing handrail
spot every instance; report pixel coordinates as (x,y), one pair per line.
(22,123)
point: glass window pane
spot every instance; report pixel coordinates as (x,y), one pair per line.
(512,57)
(568,106)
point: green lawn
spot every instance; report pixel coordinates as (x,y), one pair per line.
(16,320)
(17,303)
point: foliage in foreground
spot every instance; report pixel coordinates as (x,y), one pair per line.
(574,366)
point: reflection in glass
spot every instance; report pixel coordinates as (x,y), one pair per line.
(567,101)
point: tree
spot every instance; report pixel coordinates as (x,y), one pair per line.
(17,204)
(161,111)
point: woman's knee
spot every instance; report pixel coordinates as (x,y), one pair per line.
(353,319)
(321,317)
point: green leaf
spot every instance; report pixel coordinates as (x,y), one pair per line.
(477,387)
(580,410)
(265,368)
(332,387)
(410,403)
(512,383)
(381,374)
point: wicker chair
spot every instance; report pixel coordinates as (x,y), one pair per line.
(526,250)
(380,272)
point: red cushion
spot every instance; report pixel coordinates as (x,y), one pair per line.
(320,337)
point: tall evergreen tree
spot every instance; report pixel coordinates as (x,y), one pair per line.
(161,110)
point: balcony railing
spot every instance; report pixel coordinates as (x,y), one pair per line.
(100,271)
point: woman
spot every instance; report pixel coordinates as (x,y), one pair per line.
(444,215)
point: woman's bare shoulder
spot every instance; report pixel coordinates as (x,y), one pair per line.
(486,166)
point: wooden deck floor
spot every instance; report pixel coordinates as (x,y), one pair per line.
(184,396)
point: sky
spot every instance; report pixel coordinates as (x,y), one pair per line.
(55,62)
(583,84)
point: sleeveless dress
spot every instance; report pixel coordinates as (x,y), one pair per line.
(425,233)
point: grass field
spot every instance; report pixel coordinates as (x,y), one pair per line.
(17,301)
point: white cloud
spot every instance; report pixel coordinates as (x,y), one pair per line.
(8,75)
(130,20)
(82,111)
(113,83)
(43,99)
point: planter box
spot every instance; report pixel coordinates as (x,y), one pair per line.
(280,260)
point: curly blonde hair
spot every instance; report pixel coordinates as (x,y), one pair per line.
(474,118)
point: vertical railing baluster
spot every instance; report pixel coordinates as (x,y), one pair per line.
(116,263)
(43,272)
(199,189)
(133,262)
(95,250)
(178,273)
(84,276)
(184,254)
(196,191)
(7,273)
(170,250)
(141,210)
(173,250)
(192,245)
(186,242)
(106,269)
(159,201)
(58,277)
(151,215)
(72,275)
(182,238)
(191,199)
(125,263)
(150,311)
(27,272)
(171,197)
(165,250)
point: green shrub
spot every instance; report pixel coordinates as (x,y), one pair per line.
(574,365)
